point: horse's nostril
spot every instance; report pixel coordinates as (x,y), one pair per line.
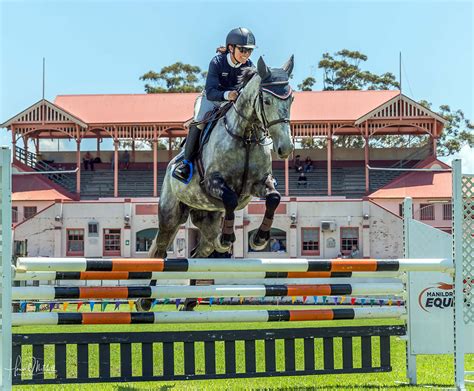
(279,151)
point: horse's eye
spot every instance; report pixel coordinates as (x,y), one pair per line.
(267,102)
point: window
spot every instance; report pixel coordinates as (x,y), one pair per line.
(427,212)
(93,228)
(277,242)
(447,211)
(349,238)
(112,241)
(400,209)
(14,214)
(144,238)
(310,241)
(29,211)
(75,242)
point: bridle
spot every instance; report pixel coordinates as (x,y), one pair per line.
(264,124)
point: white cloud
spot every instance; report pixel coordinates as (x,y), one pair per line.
(466,154)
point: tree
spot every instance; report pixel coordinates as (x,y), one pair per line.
(342,72)
(307,84)
(177,77)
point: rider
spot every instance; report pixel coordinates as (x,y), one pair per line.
(221,85)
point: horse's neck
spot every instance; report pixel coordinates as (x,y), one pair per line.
(241,117)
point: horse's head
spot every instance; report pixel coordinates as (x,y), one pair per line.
(274,103)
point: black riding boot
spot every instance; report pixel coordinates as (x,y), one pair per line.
(183,171)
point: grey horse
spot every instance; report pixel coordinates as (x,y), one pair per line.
(237,166)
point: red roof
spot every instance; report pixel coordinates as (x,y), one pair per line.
(178,107)
(33,188)
(419,184)
(129,108)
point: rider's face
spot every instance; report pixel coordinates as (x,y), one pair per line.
(241,54)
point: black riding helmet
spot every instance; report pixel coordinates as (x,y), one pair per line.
(241,37)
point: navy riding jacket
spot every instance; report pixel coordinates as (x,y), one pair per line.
(222,77)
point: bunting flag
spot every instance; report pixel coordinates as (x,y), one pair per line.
(79,305)
(398,303)
(353,300)
(293,298)
(103,305)
(241,300)
(131,304)
(51,306)
(23,306)
(343,298)
(117,305)
(155,302)
(262,300)
(199,300)
(315,298)
(211,299)
(389,302)
(372,301)
(65,305)
(177,302)
(381,301)
(221,300)
(37,307)
(363,301)
(325,299)
(304,299)
(335,300)
(91,305)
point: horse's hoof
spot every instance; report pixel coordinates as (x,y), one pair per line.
(143,305)
(220,245)
(189,305)
(256,243)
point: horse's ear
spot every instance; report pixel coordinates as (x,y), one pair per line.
(288,66)
(262,69)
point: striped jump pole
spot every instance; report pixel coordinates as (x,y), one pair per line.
(164,292)
(221,276)
(63,318)
(233,265)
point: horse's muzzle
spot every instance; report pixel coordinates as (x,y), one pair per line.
(285,151)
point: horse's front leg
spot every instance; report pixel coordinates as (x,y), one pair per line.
(218,188)
(259,239)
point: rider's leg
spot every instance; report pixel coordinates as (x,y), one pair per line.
(183,169)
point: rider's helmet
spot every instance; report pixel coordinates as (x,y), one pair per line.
(241,37)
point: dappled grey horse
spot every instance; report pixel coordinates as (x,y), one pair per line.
(237,166)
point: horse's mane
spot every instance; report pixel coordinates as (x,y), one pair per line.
(246,76)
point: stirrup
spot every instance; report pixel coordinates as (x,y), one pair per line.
(191,170)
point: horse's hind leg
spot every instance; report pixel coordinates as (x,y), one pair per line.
(171,215)
(209,225)
(258,241)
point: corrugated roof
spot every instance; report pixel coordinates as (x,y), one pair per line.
(178,107)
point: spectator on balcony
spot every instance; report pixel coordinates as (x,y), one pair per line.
(355,253)
(297,163)
(308,164)
(88,161)
(302,180)
(125,160)
(275,245)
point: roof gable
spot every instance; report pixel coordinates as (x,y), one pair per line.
(44,111)
(400,106)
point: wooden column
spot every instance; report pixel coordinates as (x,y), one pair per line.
(98,146)
(155,168)
(170,151)
(25,142)
(133,151)
(329,161)
(366,157)
(116,167)
(287,179)
(37,146)
(434,139)
(13,143)
(78,165)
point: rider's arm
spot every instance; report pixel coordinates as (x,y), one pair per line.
(212,82)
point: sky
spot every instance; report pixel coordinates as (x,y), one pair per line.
(103,47)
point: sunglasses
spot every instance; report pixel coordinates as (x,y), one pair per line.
(244,50)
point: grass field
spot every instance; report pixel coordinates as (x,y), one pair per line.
(433,371)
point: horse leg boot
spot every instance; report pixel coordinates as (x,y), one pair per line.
(184,170)
(259,240)
(217,188)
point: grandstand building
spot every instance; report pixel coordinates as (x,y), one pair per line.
(112,211)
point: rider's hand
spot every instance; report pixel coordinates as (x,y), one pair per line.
(233,95)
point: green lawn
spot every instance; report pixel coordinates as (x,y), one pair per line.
(436,371)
